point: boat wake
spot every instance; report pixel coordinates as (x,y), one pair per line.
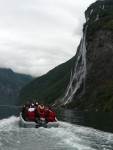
(66,137)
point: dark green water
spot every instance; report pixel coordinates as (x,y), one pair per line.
(98,120)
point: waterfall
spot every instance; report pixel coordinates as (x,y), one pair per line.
(78,76)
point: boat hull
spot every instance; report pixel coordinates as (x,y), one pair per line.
(31,124)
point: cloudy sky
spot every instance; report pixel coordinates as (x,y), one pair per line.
(37,35)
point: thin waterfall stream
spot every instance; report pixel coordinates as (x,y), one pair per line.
(78,76)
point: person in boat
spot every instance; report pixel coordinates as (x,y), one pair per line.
(31,113)
(37,116)
(41,110)
(25,109)
(49,114)
(35,103)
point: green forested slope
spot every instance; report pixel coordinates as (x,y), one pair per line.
(50,86)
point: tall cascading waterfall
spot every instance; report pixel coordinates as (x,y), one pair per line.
(77,77)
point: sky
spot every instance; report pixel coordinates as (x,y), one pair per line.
(38,35)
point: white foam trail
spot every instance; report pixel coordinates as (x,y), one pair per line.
(9,123)
(66,137)
(90,136)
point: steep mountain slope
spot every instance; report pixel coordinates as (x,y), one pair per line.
(10,85)
(50,86)
(99,79)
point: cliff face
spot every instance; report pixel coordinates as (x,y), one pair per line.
(10,85)
(96,89)
(99,80)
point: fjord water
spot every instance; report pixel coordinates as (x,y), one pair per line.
(69,136)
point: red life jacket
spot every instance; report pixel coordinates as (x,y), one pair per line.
(41,111)
(50,117)
(31,114)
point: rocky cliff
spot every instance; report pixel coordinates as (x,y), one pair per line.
(99,81)
(95,90)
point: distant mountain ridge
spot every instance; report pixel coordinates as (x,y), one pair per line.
(10,85)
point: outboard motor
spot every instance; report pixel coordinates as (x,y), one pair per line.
(41,122)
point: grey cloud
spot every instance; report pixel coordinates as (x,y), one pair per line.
(37,35)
